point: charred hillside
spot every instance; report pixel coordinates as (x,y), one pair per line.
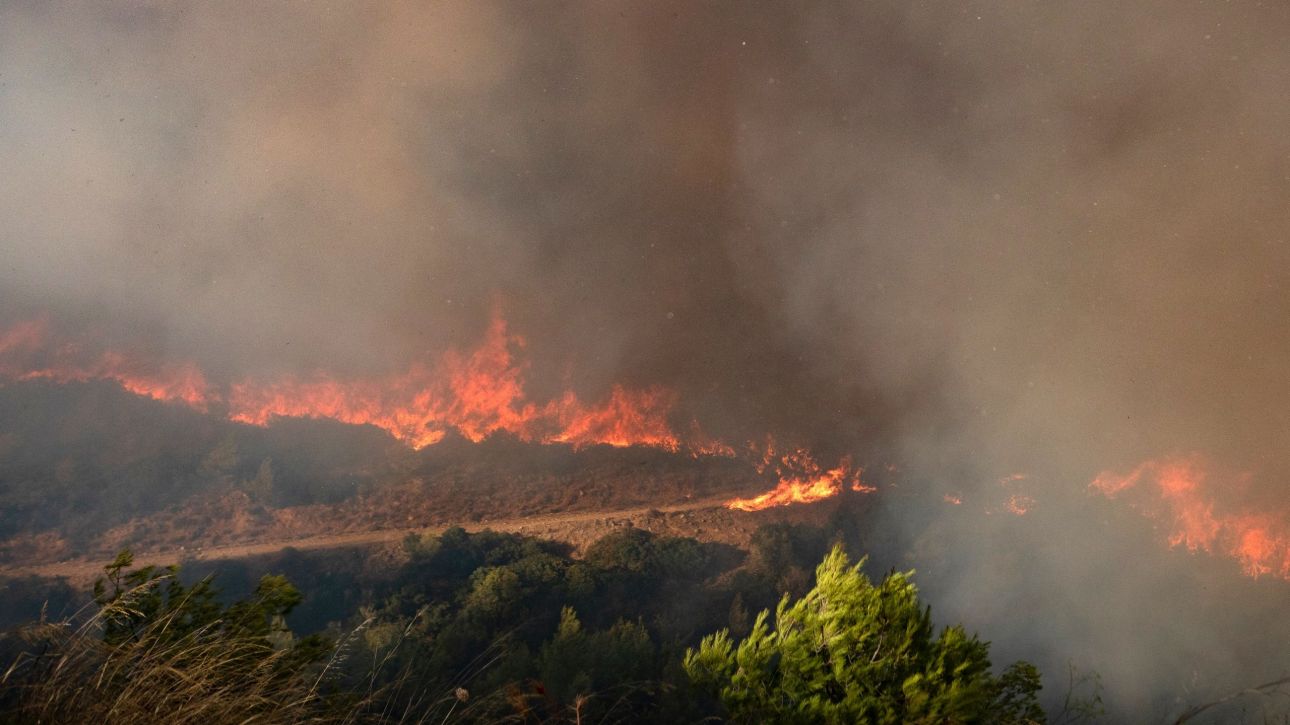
(86,468)
(83,457)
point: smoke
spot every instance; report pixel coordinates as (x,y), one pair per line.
(971,239)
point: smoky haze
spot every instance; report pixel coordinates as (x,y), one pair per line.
(971,239)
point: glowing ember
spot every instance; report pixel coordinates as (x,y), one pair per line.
(801,480)
(953,499)
(1019,504)
(1180,491)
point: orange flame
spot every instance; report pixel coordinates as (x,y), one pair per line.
(26,353)
(1178,488)
(477,394)
(1019,504)
(801,480)
(629,417)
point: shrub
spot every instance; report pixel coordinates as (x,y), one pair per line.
(851,651)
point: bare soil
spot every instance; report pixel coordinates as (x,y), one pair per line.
(706,520)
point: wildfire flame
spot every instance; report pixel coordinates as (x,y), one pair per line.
(801,480)
(476,394)
(1019,504)
(1180,489)
(27,352)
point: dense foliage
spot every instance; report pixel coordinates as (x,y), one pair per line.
(852,651)
(491,627)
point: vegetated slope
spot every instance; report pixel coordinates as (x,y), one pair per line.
(486,627)
(90,455)
(86,468)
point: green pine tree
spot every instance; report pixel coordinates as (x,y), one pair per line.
(850,651)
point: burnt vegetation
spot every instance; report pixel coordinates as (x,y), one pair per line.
(84,468)
(78,459)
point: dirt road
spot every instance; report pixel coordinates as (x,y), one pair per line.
(546,525)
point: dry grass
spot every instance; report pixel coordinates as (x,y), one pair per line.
(67,673)
(166,671)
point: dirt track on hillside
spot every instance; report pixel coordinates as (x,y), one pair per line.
(705,519)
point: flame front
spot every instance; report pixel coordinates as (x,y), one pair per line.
(1182,492)
(629,417)
(801,480)
(27,352)
(476,394)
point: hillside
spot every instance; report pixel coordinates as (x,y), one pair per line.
(87,469)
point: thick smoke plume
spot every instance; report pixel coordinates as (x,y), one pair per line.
(968,239)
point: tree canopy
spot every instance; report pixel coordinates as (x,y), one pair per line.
(850,651)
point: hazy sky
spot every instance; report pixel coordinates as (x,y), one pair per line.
(1067,212)
(971,237)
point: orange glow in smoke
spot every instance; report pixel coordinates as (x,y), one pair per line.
(1019,504)
(628,418)
(801,480)
(1181,492)
(27,352)
(476,393)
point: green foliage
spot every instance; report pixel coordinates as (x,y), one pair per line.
(147,595)
(1014,694)
(778,547)
(628,550)
(494,627)
(846,651)
(851,651)
(577,663)
(494,594)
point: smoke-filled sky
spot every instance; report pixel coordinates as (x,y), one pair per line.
(979,237)
(1057,215)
